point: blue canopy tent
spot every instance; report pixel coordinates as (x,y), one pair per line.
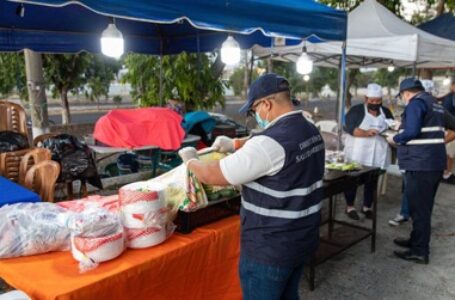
(168,27)
(442,26)
(164,27)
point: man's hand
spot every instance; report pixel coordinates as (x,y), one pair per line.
(188,154)
(365,133)
(372,132)
(224,144)
(450,136)
(390,140)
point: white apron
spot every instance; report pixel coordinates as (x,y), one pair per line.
(369,151)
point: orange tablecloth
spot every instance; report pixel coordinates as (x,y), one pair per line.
(201,265)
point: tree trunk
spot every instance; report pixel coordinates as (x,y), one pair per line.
(426,74)
(351,77)
(217,67)
(36,92)
(246,75)
(440,6)
(66,117)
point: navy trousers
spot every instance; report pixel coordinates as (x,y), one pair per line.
(368,194)
(421,188)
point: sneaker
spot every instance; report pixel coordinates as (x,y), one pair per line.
(398,220)
(368,213)
(446,175)
(352,214)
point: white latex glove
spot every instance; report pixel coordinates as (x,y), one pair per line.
(390,140)
(224,144)
(188,154)
(395,125)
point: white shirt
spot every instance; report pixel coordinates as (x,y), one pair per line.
(260,156)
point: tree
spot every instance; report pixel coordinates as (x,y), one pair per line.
(72,72)
(12,75)
(237,80)
(193,78)
(99,74)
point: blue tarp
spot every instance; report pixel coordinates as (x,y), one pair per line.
(443,26)
(164,27)
(198,117)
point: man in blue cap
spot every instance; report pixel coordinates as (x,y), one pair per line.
(422,155)
(281,171)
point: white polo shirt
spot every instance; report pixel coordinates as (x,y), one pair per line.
(260,156)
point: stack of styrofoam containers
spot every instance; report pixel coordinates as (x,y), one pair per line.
(97,236)
(142,211)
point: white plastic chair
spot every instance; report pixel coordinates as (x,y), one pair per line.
(327,125)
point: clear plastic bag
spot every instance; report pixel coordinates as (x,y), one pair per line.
(33,228)
(96,236)
(183,190)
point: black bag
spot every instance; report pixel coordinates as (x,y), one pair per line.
(12,141)
(75,158)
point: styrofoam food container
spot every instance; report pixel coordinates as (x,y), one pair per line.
(146,237)
(98,249)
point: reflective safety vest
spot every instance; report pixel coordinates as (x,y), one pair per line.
(280,214)
(427,151)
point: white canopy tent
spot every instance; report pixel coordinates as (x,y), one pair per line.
(376,38)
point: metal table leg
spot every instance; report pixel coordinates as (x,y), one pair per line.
(330,227)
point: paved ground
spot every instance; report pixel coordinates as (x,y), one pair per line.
(359,274)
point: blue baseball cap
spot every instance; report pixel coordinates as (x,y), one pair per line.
(264,86)
(410,83)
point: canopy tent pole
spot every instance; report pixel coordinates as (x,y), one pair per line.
(414,69)
(342,95)
(161,72)
(36,92)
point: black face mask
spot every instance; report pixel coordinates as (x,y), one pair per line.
(374,107)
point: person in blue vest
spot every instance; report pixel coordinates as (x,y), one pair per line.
(281,172)
(448,101)
(422,155)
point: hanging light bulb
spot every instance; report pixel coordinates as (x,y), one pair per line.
(112,43)
(306,78)
(230,51)
(304,63)
(391,68)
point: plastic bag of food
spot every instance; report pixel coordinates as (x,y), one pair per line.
(33,228)
(96,236)
(215,192)
(183,190)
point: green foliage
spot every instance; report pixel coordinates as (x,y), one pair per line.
(188,77)
(117,99)
(388,79)
(65,72)
(12,75)
(322,76)
(99,73)
(236,80)
(348,5)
